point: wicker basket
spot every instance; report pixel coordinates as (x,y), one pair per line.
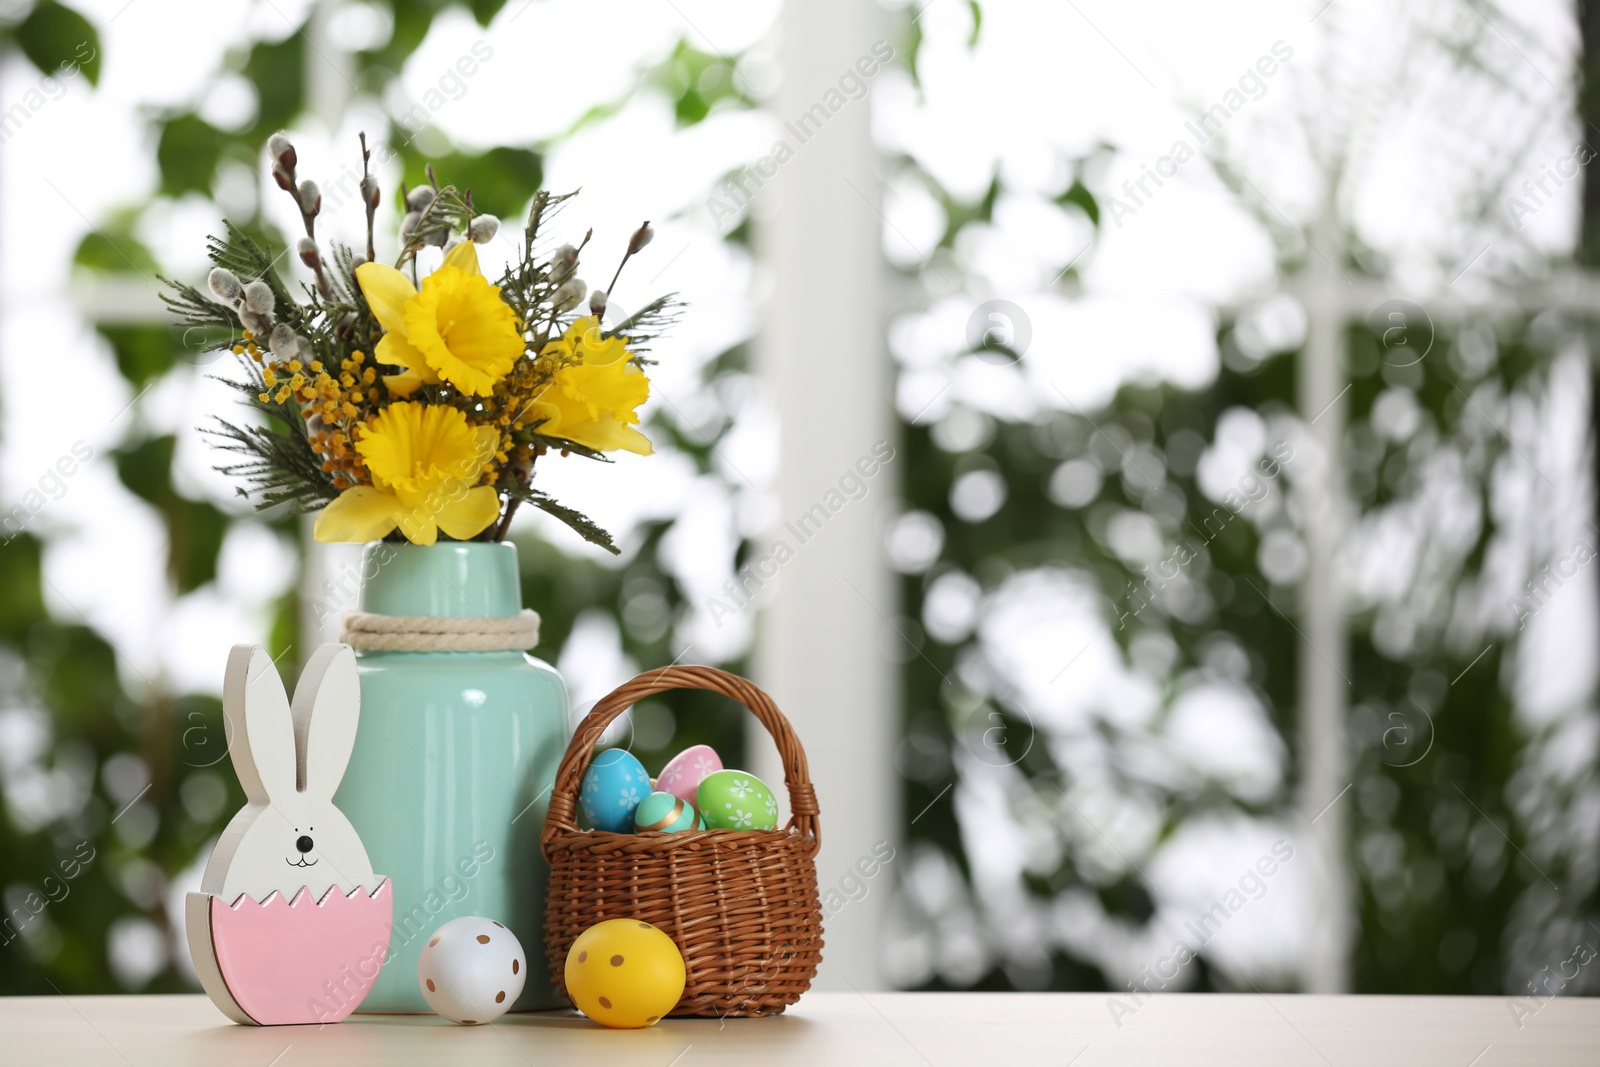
(742,905)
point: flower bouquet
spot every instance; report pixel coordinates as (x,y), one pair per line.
(404,403)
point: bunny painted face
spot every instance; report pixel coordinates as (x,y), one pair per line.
(290,762)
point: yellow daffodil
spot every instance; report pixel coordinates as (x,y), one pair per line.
(456,329)
(592,394)
(425,461)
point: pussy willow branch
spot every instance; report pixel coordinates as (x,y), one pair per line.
(625,257)
(369,195)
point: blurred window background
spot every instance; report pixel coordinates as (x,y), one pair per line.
(1226,579)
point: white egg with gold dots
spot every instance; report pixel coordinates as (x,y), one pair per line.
(471,970)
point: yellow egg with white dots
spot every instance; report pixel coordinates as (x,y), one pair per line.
(625,973)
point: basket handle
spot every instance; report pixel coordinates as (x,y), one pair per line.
(580,750)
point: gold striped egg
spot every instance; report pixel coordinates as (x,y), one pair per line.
(666,813)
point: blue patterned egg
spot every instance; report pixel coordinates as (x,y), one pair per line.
(613,787)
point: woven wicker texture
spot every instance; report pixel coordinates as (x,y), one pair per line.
(742,905)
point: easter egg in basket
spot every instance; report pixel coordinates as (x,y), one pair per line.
(684,772)
(736,800)
(613,786)
(291,924)
(667,813)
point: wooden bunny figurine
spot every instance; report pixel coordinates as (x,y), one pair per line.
(290,925)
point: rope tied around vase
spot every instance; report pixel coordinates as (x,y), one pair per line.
(367,632)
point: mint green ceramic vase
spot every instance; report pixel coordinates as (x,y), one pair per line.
(453,764)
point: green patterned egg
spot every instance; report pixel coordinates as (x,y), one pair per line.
(667,813)
(736,800)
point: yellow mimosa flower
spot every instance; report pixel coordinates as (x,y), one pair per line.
(456,329)
(591,397)
(426,461)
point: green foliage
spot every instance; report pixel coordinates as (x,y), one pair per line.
(1078,193)
(19,586)
(113,249)
(412,19)
(1407,915)
(195,528)
(54,36)
(1439,842)
(278,72)
(500,180)
(485,10)
(143,353)
(1439,742)
(700,81)
(80,868)
(187,153)
(644,598)
(959,213)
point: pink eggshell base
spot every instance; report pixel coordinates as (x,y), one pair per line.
(683,773)
(305,960)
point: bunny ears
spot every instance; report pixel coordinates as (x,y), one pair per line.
(278,750)
(289,760)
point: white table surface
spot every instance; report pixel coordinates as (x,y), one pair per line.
(915,1029)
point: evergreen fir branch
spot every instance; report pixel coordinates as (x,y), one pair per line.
(193,308)
(580,523)
(447,212)
(343,276)
(526,284)
(560,444)
(279,466)
(247,258)
(546,206)
(240,253)
(648,323)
